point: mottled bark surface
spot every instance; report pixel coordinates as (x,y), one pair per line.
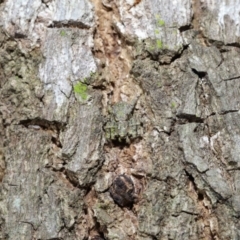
(119,119)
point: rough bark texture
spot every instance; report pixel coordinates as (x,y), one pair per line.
(119,119)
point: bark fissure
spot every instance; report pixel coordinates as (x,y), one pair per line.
(69,24)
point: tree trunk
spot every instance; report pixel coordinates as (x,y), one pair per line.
(119,119)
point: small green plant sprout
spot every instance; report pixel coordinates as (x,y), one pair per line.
(63,33)
(80,89)
(156,31)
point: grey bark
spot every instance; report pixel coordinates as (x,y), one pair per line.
(119,119)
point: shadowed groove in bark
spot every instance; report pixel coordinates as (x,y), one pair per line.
(204,207)
(115,57)
(69,24)
(185,28)
(45,125)
(199,74)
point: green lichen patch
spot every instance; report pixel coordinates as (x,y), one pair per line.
(159,44)
(159,84)
(63,33)
(81,90)
(154,46)
(160,23)
(173,105)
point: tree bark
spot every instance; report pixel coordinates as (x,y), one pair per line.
(119,119)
